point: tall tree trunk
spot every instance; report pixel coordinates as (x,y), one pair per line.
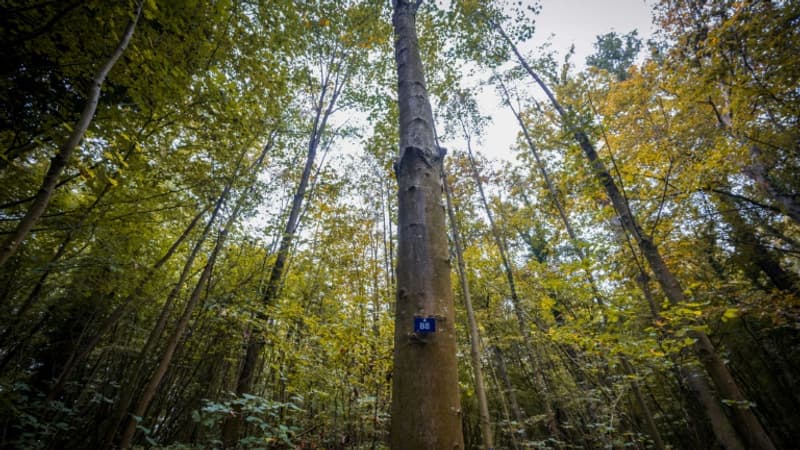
(756,436)
(426,409)
(474,335)
(61,159)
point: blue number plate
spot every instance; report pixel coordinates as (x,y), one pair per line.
(424,325)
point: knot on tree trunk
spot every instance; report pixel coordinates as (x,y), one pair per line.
(430,157)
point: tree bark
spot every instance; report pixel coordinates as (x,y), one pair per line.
(426,410)
(61,159)
(474,335)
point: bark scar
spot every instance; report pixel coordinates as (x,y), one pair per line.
(427,157)
(416,339)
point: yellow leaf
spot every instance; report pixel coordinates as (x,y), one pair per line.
(86,172)
(730,313)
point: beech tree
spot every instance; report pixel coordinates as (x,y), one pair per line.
(426,411)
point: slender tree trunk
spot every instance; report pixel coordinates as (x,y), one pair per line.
(426,409)
(244,383)
(474,335)
(553,192)
(377,295)
(61,159)
(756,436)
(83,351)
(522,322)
(392,273)
(512,432)
(154,382)
(510,392)
(652,427)
(751,250)
(128,389)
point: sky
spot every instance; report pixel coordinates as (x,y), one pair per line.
(580,21)
(563,23)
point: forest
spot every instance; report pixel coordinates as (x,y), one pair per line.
(275,224)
